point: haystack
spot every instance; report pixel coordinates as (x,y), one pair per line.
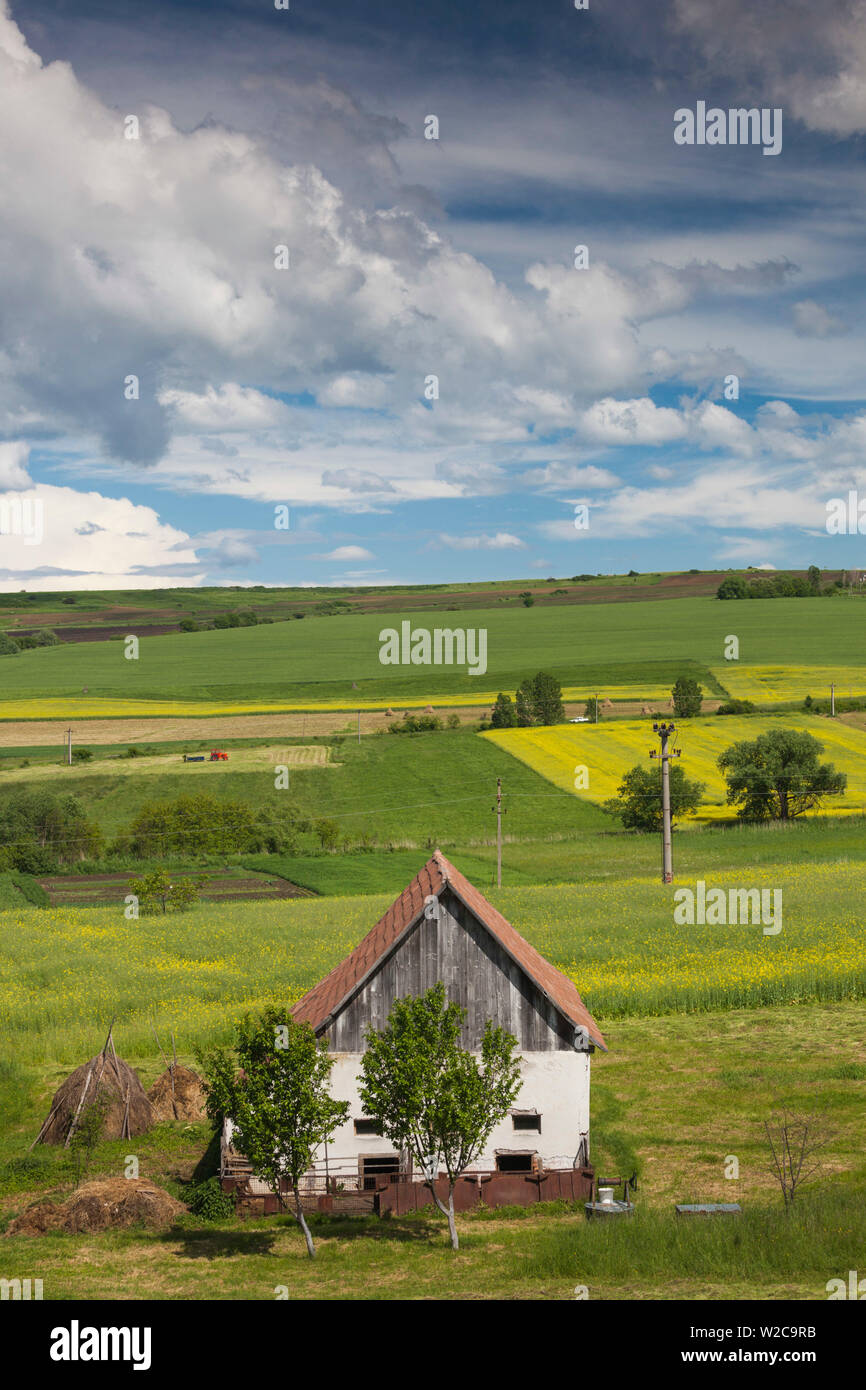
(108,1204)
(183,1100)
(127,1108)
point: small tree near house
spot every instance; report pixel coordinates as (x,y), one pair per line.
(279,1101)
(795,1142)
(431,1096)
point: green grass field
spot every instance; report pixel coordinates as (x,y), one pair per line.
(337,658)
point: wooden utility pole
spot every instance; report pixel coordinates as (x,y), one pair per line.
(359,726)
(499,813)
(69,747)
(664,732)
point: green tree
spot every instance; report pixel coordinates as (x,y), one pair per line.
(592,709)
(432,1097)
(523,705)
(777,776)
(278,1102)
(504,714)
(328,832)
(688,697)
(734,586)
(547,706)
(813,575)
(38,820)
(81,755)
(198,824)
(638,802)
(7,646)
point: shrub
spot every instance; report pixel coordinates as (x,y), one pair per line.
(208,1201)
(81,755)
(189,625)
(736,707)
(7,646)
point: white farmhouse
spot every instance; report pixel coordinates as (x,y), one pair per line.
(441,928)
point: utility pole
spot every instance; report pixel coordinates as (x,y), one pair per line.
(69,747)
(499,814)
(359,726)
(833,701)
(596,707)
(664,732)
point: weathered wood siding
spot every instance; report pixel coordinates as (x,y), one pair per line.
(477,974)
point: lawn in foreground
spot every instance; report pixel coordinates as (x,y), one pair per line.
(607,751)
(674,1096)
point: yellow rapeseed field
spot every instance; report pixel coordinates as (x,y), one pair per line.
(608,750)
(65,972)
(97,707)
(778,684)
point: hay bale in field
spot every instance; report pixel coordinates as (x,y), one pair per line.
(185,1102)
(116,1085)
(104,1205)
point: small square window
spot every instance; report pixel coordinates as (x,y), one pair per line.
(366,1126)
(525,1122)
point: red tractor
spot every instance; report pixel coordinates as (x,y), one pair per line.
(218,756)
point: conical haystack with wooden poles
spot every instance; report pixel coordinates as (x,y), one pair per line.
(107,1079)
(178,1094)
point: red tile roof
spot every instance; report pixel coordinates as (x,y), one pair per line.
(326,998)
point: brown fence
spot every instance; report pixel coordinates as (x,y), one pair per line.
(399,1195)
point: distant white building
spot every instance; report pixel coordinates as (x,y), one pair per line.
(442,928)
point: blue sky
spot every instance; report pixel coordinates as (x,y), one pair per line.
(409,258)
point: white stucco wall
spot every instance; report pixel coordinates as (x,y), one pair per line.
(556,1084)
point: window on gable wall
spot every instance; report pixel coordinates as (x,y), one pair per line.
(526,1121)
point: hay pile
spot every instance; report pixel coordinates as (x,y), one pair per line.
(109,1204)
(185,1102)
(128,1110)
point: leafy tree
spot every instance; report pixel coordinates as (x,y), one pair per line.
(328,832)
(523,705)
(189,625)
(7,646)
(81,755)
(688,697)
(35,820)
(201,824)
(528,600)
(734,586)
(278,1102)
(638,802)
(453,720)
(813,576)
(504,714)
(592,708)
(431,1096)
(736,707)
(159,888)
(547,706)
(777,776)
